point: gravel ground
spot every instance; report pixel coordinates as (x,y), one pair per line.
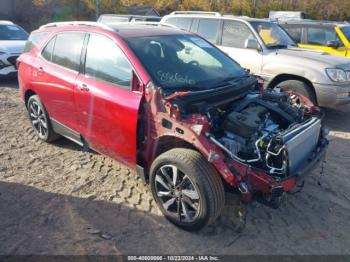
(57,199)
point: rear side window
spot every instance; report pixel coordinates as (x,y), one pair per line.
(235,34)
(321,36)
(47,51)
(67,50)
(33,41)
(180,22)
(106,61)
(208,28)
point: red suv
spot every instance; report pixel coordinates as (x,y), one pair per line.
(171,105)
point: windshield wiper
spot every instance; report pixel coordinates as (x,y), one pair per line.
(232,80)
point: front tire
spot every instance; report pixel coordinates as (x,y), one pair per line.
(40,120)
(187,189)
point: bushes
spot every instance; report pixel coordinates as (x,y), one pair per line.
(32,13)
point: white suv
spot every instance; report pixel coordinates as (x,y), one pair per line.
(12,42)
(267,50)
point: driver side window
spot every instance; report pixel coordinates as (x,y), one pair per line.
(321,36)
(106,61)
(234,34)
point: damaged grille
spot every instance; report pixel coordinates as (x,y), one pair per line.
(301,142)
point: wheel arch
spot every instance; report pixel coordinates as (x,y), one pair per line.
(167,142)
(159,146)
(27,95)
(285,77)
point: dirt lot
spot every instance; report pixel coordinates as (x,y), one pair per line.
(57,199)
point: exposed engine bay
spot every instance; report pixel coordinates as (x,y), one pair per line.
(266,131)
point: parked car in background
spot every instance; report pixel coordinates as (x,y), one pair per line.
(268,51)
(173,106)
(12,41)
(286,15)
(331,37)
(116,18)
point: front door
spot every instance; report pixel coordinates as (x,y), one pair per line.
(234,36)
(318,37)
(108,109)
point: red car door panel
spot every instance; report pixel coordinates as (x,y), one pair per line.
(55,87)
(107,108)
(55,75)
(108,118)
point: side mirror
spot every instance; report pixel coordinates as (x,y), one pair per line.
(136,84)
(333,44)
(252,44)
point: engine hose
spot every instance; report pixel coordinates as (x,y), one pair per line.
(213,139)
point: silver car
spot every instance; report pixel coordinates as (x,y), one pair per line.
(12,42)
(267,50)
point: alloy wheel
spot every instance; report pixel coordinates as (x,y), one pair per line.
(177,194)
(38,119)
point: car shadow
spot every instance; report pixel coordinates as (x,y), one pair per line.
(65,143)
(37,222)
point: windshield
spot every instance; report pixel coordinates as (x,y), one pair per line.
(346,31)
(184,62)
(272,34)
(12,32)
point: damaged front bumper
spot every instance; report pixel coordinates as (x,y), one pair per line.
(272,188)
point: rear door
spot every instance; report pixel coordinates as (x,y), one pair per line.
(55,75)
(208,29)
(108,109)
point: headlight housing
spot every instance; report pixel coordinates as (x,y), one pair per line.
(337,75)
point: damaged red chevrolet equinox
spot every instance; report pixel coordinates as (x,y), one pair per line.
(171,105)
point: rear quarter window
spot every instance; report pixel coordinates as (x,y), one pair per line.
(34,40)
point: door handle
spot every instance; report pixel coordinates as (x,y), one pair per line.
(83,87)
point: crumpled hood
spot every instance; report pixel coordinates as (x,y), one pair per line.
(12,46)
(309,55)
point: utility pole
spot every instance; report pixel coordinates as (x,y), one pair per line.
(254,7)
(97,9)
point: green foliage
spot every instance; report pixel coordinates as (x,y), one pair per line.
(32,13)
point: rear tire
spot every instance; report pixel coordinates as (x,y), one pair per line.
(298,87)
(197,196)
(40,120)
